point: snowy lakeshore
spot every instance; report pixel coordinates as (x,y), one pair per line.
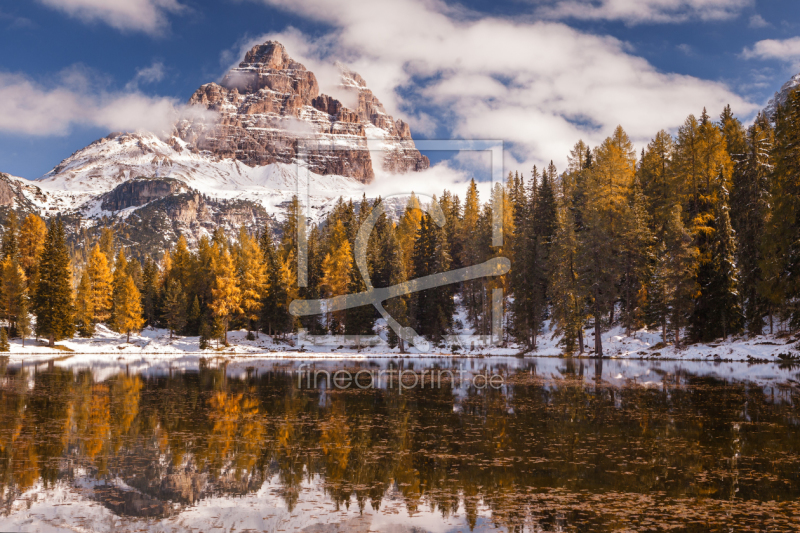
(154,344)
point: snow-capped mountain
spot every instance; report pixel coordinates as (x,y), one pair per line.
(270,110)
(780,96)
(234,161)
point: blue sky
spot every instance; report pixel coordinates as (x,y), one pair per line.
(538,74)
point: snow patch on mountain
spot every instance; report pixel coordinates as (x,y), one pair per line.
(77,182)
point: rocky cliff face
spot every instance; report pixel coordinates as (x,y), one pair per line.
(271,111)
(139,192)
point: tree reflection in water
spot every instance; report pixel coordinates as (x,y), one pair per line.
(571,453)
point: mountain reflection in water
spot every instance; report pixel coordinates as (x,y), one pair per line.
(564,445)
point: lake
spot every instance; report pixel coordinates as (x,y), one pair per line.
(440,444)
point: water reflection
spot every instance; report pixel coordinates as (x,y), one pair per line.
(563,445)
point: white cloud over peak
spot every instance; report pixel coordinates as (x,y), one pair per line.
(784,50)
(31,108)
(643,11)
(148,16)
(539,85)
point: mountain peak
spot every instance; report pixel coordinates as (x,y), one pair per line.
(270,55)
(270,102)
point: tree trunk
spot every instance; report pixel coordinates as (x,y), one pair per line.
(664,331)
(580,340)
(51,341)
(129,337)
(402,345)
(598,340)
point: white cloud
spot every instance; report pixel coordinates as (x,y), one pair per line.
(785,50)
(644,11)
(539,85)
(757,21)
(149,16)
(152,74)
(27,107)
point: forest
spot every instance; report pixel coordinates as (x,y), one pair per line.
(696,236)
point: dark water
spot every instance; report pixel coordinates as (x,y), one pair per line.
(561,446)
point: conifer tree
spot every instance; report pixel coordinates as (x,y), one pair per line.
(13,291)
(128,306)
(150,292)
(10,242)
(118,289)
(174,307)
(84,307)
(195,317)
(336,269)
(750,209)
(107,245)
(605,218)
(31,243)
(252,277)
(53,304)
(395,274)
(564,289)
(723,288)
(226,296)
(637,261)
(675,287)
(780,255)
(24,320)
(101,282)
(408,227)
(432,308)
(657,180)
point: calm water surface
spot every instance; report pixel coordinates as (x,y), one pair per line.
(563,445)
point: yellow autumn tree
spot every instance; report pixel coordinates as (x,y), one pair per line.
(100,282)
(84,307)
(13,291)
(226,295)
(252,276)
(32,234)
(336,267)
(128,307)
(407,229)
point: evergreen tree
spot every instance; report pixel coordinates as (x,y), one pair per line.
(657,180)
(195,317)
(432,309)
(10,242)
(53,304)
(564,289)
(150,292)
(275,315)
(24,320)
(84,307)
(118,289)
(674,285)
(174,307)
(637,260)
(107,245)
(750,209)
